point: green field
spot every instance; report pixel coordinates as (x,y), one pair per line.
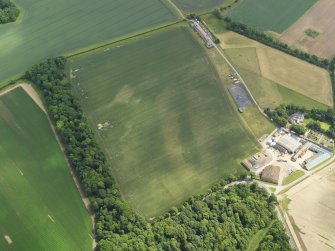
(268,93)
(198,5)
(170,131)
(324,125)
(292,177)
(35,183)
(51,28)
(259,126)
(270,15)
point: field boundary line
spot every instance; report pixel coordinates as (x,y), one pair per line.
(33,94)
(123,39)
(296,21)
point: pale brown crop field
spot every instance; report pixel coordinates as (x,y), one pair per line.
(264,68)
(320,18)
(312,208)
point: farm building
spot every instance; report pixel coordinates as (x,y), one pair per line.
(316,160)
(288,143)
(297,118)
(271,174)
(202,33)
(247,164)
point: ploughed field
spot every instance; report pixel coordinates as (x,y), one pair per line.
(41,208)
(197,5)
(51,28)
(159,112)
(270,15)
(274,77)
(321,20)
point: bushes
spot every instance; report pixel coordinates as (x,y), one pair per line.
(281,114)
(220,219)
(8,12)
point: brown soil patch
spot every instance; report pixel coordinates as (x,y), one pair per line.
(320,18)
(124,94)
(8,239)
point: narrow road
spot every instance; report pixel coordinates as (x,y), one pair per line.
(236,72)
(177,9)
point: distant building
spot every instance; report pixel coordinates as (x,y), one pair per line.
(247,164)
(316,160)
(297,118)
(320,156)
(271,174)
(288,143)
(202,33)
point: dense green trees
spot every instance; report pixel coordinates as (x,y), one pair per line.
(116,224)
(8,12)
(280,116)
(299,129)
(275,239)
(221,219)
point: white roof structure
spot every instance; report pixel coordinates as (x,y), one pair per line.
(289,143)
(297,118)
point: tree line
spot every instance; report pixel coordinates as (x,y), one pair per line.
(281,114)
(268,40)
(8,12)
(220,219)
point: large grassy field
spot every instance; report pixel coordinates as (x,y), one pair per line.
(170,131)
(197,5)
(51,28)
(275,77)
(41,208)
(270,15)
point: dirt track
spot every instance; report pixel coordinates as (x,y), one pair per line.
(320,18)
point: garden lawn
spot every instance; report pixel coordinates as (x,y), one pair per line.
(167,130)
(41,208)
(52,28)
(270,15)
(292,177)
